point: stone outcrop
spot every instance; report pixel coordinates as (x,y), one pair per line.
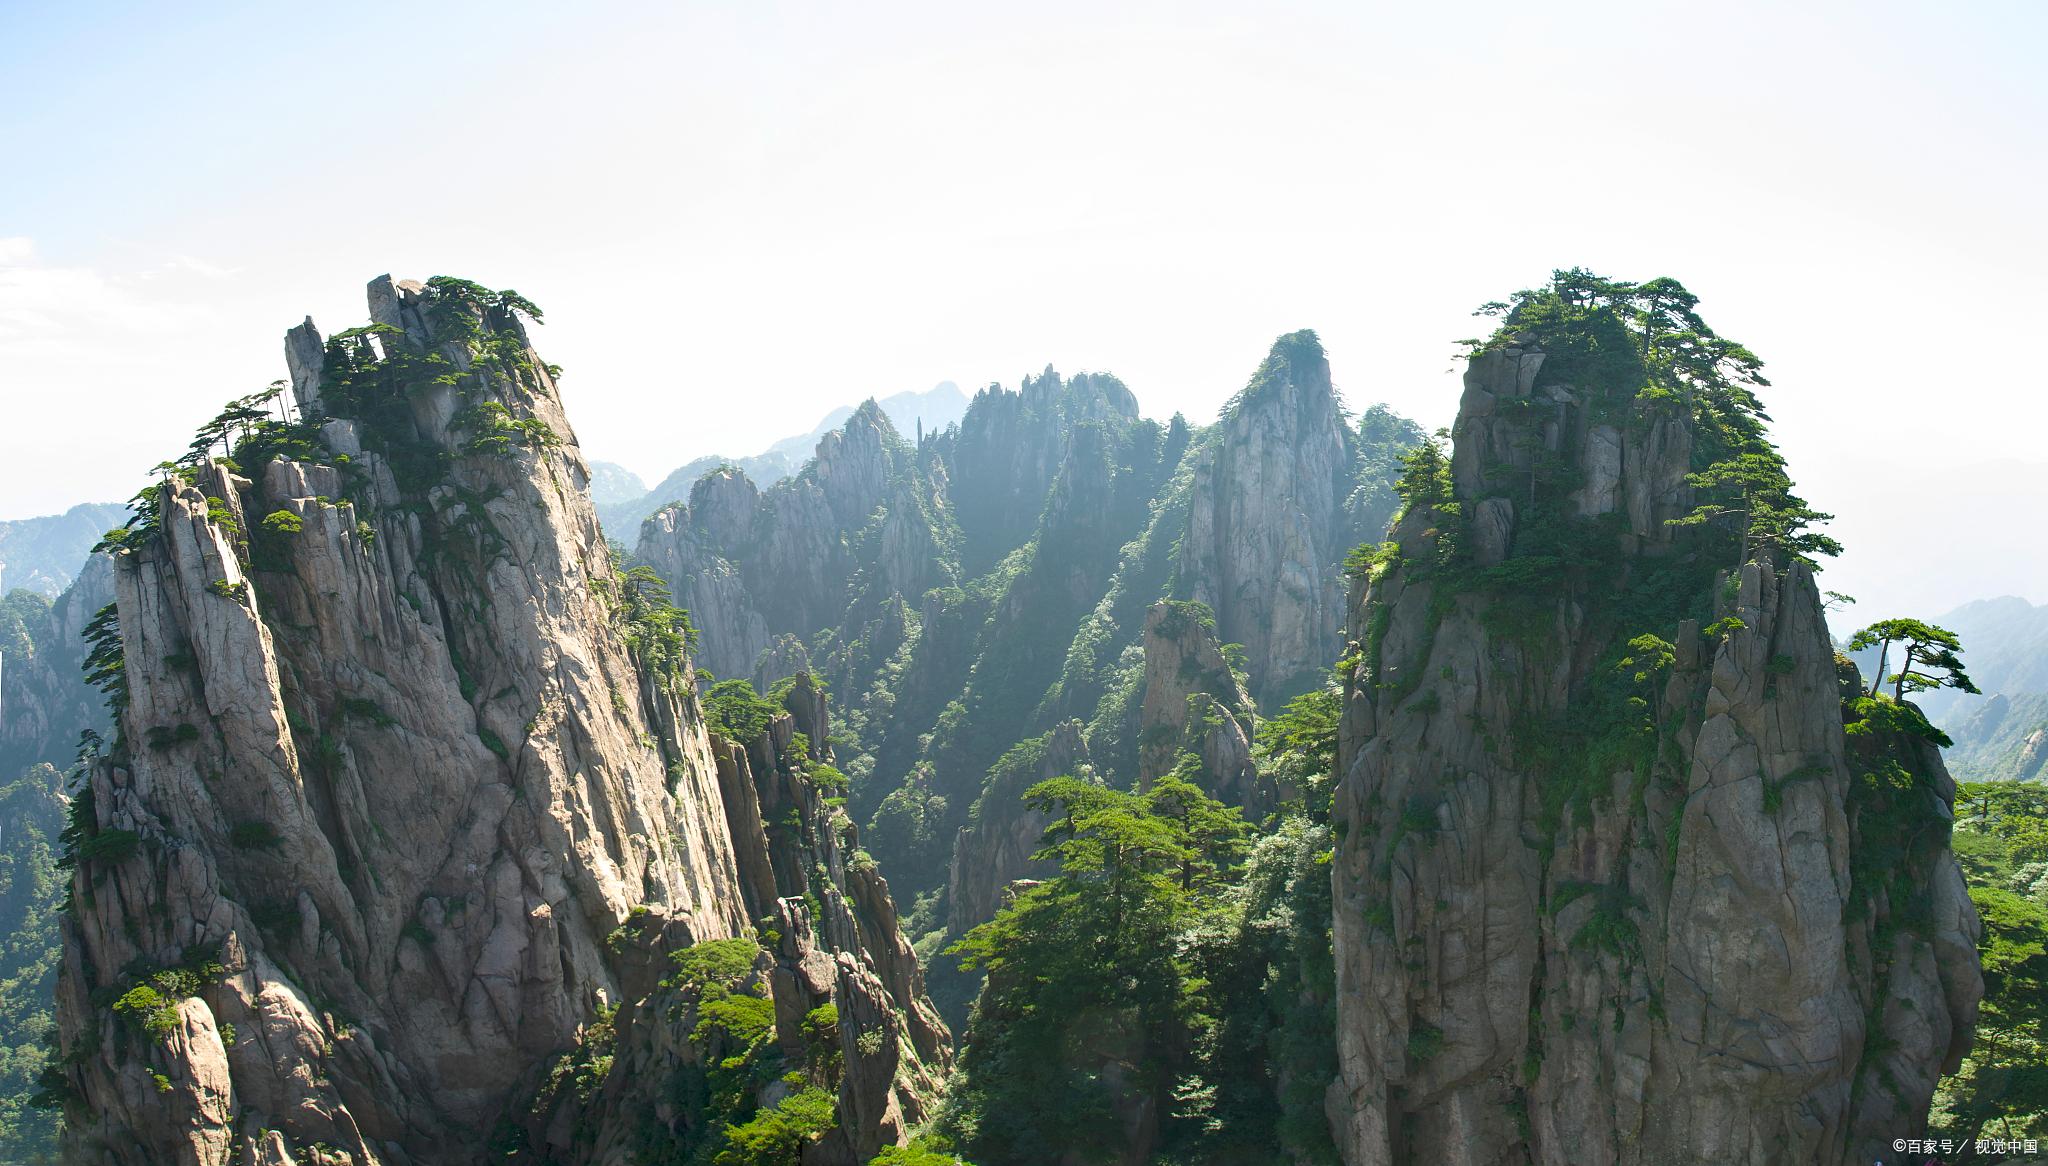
(401,750)
(860,522)
(1195,704)
(1011,445)
(1599,904)
(995,848)
(1268,531)
(836,942)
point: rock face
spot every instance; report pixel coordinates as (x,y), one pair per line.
(44,701)
(994,849)
(1268,531)
(1599,904)
(400,751)
(862,521)
(1195,705)
(837,943)
(988,590)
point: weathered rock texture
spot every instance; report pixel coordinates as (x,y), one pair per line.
(1575,928)
(1002,834)
(861,522)
(1268,532)
(990,587)
(400,752)
(837,943)
(1196,705)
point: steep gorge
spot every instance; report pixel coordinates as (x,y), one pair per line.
(994,583)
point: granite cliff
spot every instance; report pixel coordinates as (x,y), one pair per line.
(1626,871)
(991,590)
(400,752)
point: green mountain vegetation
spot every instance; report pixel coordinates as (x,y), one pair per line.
(1187,752)
(42,554)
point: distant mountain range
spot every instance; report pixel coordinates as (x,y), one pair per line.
(623,501)
(2001,733)
(2004,732)
(43,554)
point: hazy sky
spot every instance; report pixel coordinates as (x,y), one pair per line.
(740,215)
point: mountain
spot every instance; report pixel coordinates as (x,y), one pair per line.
(44,706)
(612,483)
(986,605)
(1628,869)
(2001,738)
(1290,787)
(908,412)
(415,842)
(2002,734)
(42,554)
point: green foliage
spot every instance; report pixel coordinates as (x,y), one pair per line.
(32,891)
(1270,978)
(108,846)
(909,829)
(734,710)
(717,990)
(1086,975)
(740,1020)
(152,999)
(493,430)
(1297,750)
(283,522)
(104,665)
(717,964)
(1925,647)
(923,1150)
(1425,1041)
(777,1136)
(2001,1088)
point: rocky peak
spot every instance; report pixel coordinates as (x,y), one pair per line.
(862,521)
(1267,531)
(1619,879)
(834,946)
(723,507)
(399,752)
(1009,448)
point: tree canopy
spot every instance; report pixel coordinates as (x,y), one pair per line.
(1932,656)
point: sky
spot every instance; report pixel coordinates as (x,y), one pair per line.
(738,216)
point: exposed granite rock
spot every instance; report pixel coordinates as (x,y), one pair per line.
(1195,703)
(1655,951)
(861,522)
(1009,448)
(1268,533)
(391,778)
(836,942)
(994,849)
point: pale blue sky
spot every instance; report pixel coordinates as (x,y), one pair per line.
(738,215)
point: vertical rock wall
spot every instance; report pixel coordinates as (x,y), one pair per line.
(1583,920)
(401,751)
